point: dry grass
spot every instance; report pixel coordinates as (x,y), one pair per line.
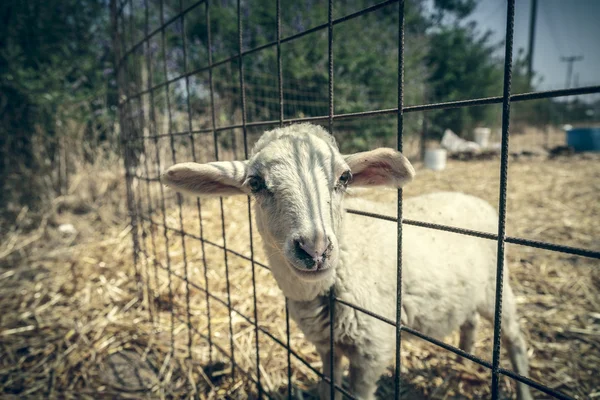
(73,325)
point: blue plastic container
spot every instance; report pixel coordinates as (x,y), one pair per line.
(584,139)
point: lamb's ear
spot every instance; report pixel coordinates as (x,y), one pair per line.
(224,178)
(380,167)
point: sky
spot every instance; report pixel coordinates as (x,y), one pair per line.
(563,28)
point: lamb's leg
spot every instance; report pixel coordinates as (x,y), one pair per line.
(324,386)
(513,339)
(365,370)
(468,333)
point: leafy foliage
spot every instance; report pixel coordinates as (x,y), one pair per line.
(57,82)
(53,63)
(463,66)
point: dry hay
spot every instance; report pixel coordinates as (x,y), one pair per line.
(74,326)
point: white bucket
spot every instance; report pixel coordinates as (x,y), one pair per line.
(435,159)
(482,136)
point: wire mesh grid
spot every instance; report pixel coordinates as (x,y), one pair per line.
(158,126)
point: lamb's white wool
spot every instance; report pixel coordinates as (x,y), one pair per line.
(298,179)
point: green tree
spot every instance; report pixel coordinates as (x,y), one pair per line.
(462,66)
(53,58)
(365,62)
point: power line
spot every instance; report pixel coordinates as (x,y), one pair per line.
(567,19)
(552,28)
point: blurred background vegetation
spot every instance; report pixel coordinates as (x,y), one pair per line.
(59,101)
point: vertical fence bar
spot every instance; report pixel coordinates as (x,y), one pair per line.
(131,38)
(397,381)
(179,197)
(65,145)
(158,171)
(132,208)
(330,126)
(143,250)
(128,129)
(143,242)
(59,162)
(216,149)
(147,172)
(244,129)
(153,128)
(150,212)
(281,117)
(141,122)
(198,205)
(288,348)
(131,152)
(116,42)
(510,24)
(149,209)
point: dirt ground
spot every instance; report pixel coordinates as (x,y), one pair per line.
(76,323)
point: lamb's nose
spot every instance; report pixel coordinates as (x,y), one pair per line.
(313,251)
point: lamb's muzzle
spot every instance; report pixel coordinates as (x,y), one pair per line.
(312,252)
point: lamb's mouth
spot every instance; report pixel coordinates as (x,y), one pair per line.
(316,272)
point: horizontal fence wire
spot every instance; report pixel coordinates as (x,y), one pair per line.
(547,94)
(486,235)
(142,216)
(559,248)
(247,52)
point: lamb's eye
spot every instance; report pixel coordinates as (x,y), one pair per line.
(256,184)
(345,178)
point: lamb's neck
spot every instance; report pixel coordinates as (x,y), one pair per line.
(292,287)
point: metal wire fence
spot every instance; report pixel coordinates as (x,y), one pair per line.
(159,127)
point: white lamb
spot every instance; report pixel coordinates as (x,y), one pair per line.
(298,179)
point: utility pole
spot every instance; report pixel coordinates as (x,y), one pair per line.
(532,20)
(570,60)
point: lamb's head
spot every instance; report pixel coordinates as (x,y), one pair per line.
(298,179)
